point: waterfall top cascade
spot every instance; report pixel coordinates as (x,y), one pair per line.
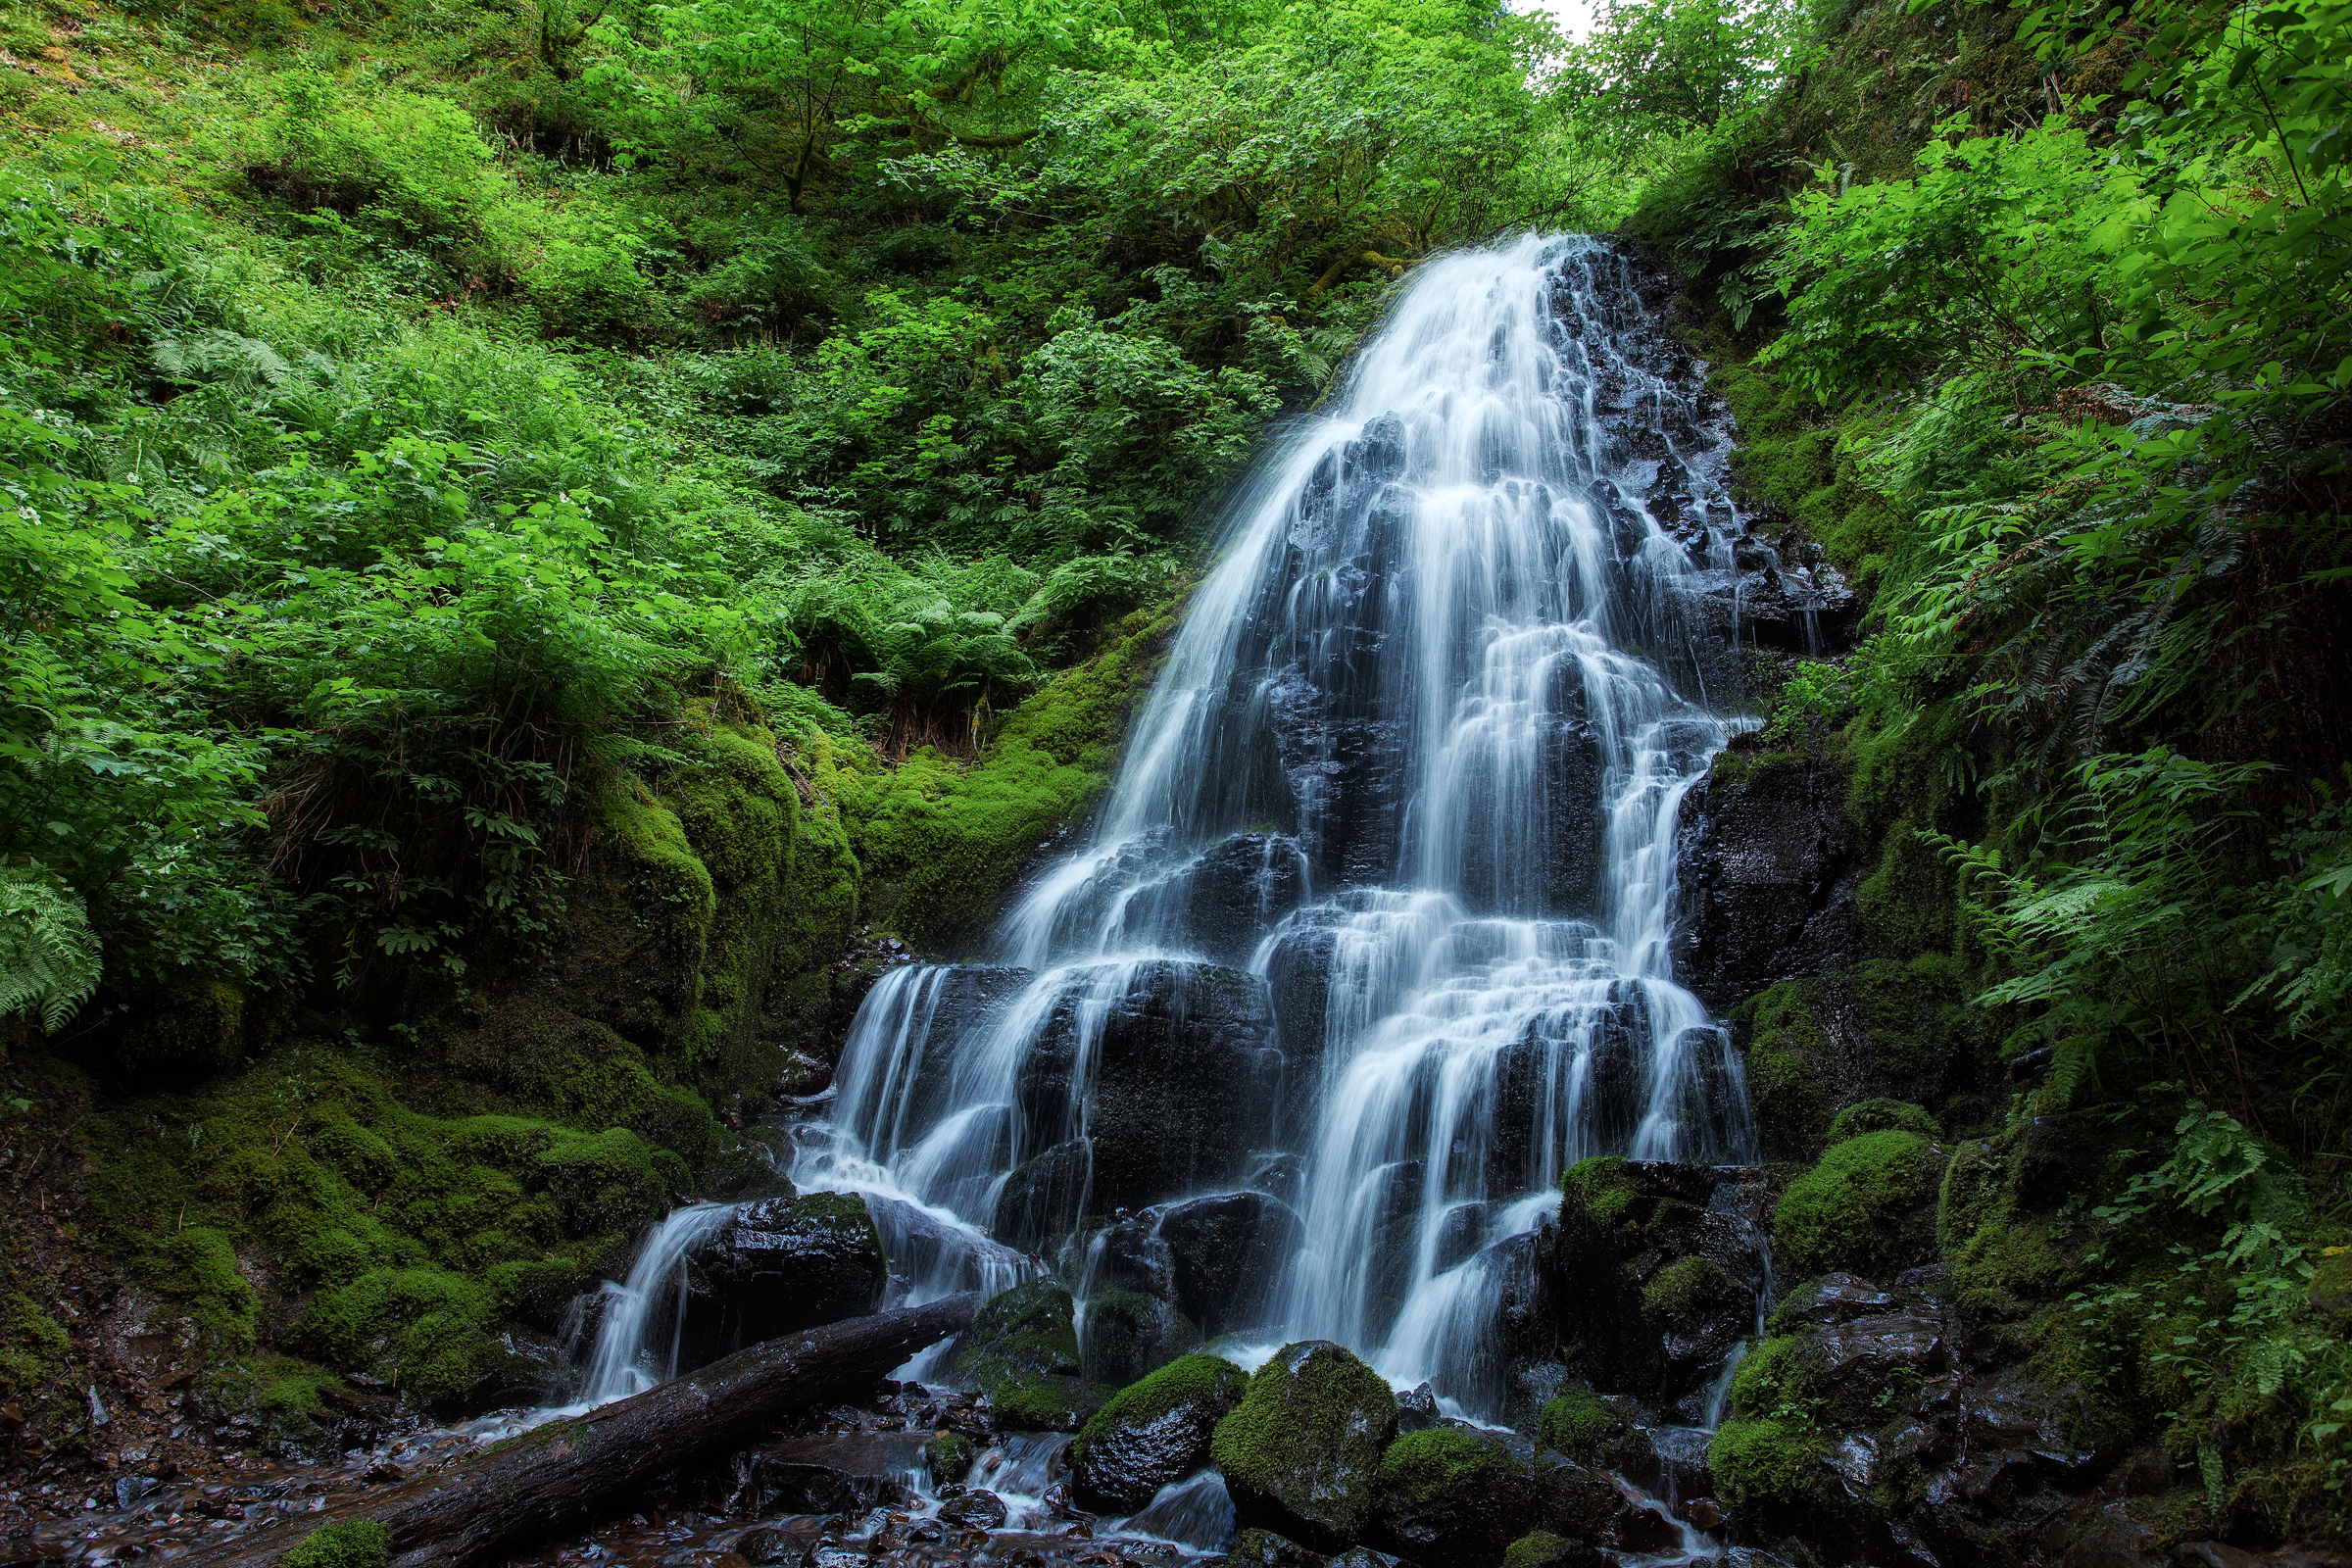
(1370,939)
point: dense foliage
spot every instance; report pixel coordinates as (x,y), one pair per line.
(460,453)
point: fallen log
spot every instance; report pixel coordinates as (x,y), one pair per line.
(568,1472)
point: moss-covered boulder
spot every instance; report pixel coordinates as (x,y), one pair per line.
(1772,1473)
(1540,1549)
(1867,1208)
(1452,1494)
(1152,1432)
(1301,1452)
(1883,1115)
(1600,1429)
(1022,1352)
(777,1266)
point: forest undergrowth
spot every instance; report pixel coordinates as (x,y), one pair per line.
(507,495)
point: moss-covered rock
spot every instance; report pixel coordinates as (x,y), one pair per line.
(1648,1278)
(1866,1208)
(1540,1549)
(346,1544)
(1771,1473)
(949,1457)
(1301,1453)
(1022,1352)
(1452,1494)
(1596,1430)
(1152,1432)
(1263,1548)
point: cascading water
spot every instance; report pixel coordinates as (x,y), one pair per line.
(1413,763)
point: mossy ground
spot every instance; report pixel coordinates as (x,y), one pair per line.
(330,1202)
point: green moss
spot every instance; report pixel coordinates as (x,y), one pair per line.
(1540,1549)
(950,1458)
(1777,1378)
(1598,1191)
(1204,1381)
(32,1346)
(1794,453)
(1787,1052)
(1022,1352)
(1310,1431)
(1686,1293)
(1862,1208)
(1880,1116)
(1421,1467)
(346,1544)
(1768,1472)
(2002,1255)
(1589,1428)
(201,1269)
(307,1192)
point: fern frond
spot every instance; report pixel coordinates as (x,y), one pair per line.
(49,962)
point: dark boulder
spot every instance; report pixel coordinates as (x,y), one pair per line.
(1184,1086)
(1302,1455)
(973,1509)
(1765,867)
(775,1266)
(1044,1199)
(1127,1333)
(1653,1272)
(1226,1254)
(1154,1433)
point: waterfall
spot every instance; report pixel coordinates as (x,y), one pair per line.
(1385,881)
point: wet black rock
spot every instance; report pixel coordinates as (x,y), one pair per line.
(1221,903)
(1302,1455)
(1653,1272)
(1226,1254)
(1128,1334)
(834,1473)
(1185,1073)
(776,1266)
(975,1509)
(1046,1199)
(1154,1433)
(1766,865)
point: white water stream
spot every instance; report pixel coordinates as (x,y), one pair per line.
(1440,699)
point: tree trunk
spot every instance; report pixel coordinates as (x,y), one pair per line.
(564,1475)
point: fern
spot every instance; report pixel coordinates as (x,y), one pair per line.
(49,962)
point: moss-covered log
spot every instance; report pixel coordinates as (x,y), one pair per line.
(564,1474)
